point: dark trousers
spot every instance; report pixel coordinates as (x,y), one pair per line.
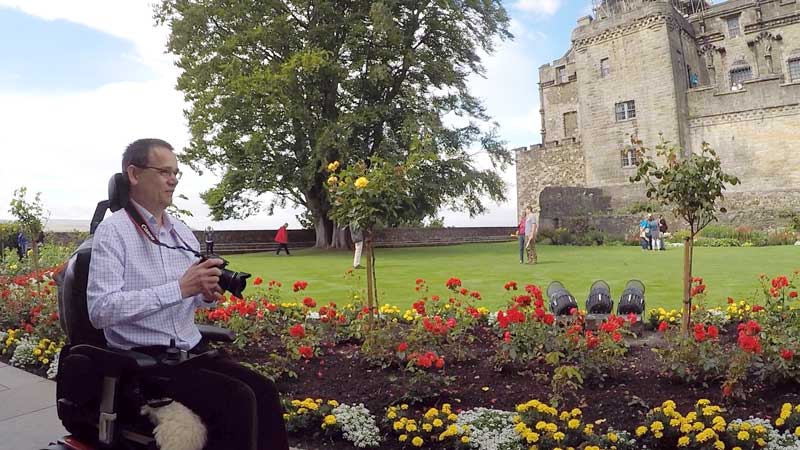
(283,246)
(239,407)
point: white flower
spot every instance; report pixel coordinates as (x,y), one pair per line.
(52,371)
(491,429)
(23,352)
(358,425)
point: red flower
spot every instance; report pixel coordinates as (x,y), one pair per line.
(757,308)
(787,354)
(402,347)
(727,390)
(616,336)
(257,281)
(793,294)
(548,319)
(419,281)
(463,291)
(507,336)
(309,302)
(434,298)
(592,341)
(663,326)
(632,318)
(511,285)
(475,294)
(731,300)
(453,283)
(440,363)
(297,331)
(299,285)
(713,332)
(306,351)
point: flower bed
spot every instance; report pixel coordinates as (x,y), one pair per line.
(466,375)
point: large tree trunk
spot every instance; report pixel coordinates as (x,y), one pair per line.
(322,227)
(339,239)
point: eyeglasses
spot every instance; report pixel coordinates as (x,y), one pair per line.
(166,173)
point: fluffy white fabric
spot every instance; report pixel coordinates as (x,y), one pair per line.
(177,427)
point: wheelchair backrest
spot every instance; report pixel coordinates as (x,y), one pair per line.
(72,306)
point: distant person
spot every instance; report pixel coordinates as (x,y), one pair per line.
(282,238)
(22,245)
(655,236)
(644,234)
(208,236)
(662,229)
(358,242)
(40,238)
(521,235)
(531,227)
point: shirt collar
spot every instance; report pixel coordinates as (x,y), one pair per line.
(151,219)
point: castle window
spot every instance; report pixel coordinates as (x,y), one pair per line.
(605,68)
(561,74)
(630,157)
(625,110)
(570,123)
(740,74)
(794,69)
(733,26)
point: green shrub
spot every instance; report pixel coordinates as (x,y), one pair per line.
(781,237)
(719,232)
(717,242)
(562,236)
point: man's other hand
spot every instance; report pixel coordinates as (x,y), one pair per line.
(202,278)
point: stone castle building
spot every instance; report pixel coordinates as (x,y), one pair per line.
(727,74)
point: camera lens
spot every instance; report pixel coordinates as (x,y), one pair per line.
(233,282)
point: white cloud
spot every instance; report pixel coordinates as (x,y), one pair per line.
(67,145)
(541,7)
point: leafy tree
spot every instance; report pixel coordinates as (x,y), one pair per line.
(690,186)
(30,215)
(279,88)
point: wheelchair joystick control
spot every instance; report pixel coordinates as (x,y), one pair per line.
(173,353)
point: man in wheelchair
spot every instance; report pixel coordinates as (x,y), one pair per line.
(144,283)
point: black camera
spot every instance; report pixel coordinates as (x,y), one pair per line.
(233,282)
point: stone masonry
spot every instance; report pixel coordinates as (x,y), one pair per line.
(727,74)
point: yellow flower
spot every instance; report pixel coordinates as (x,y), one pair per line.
(797,431)
(464,439)
(573,424)
(683,441)
(719,445)
(779,421)
(761,442)
(559,436)
(332,180)
(411,427)
(361,182)
(417,441)
(37,352)
(330,419)
(640,431)
(437,422)
(743,435)
(612,437)
(391,415)
(403,438)
(333,166)
(427,427)
(45,361)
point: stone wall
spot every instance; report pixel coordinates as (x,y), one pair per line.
(553,164)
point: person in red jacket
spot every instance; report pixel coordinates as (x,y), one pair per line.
(282,238)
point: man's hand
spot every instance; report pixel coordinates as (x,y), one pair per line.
(202,278)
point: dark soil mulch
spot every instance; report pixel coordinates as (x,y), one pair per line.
(623,399)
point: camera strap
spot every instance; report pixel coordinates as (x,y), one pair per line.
(142,226)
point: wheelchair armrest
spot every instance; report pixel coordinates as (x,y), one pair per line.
(216,334)
(113,360)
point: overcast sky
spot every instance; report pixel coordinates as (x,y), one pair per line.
(80,79)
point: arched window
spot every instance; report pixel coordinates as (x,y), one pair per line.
(740,72)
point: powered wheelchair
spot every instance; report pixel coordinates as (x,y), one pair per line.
(100,390)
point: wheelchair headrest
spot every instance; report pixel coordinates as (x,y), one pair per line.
(118,189)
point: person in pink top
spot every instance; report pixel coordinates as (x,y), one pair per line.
(282,238)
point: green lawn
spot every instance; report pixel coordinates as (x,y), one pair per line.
(486,267)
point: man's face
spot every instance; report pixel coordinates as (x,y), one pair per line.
(156,182)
